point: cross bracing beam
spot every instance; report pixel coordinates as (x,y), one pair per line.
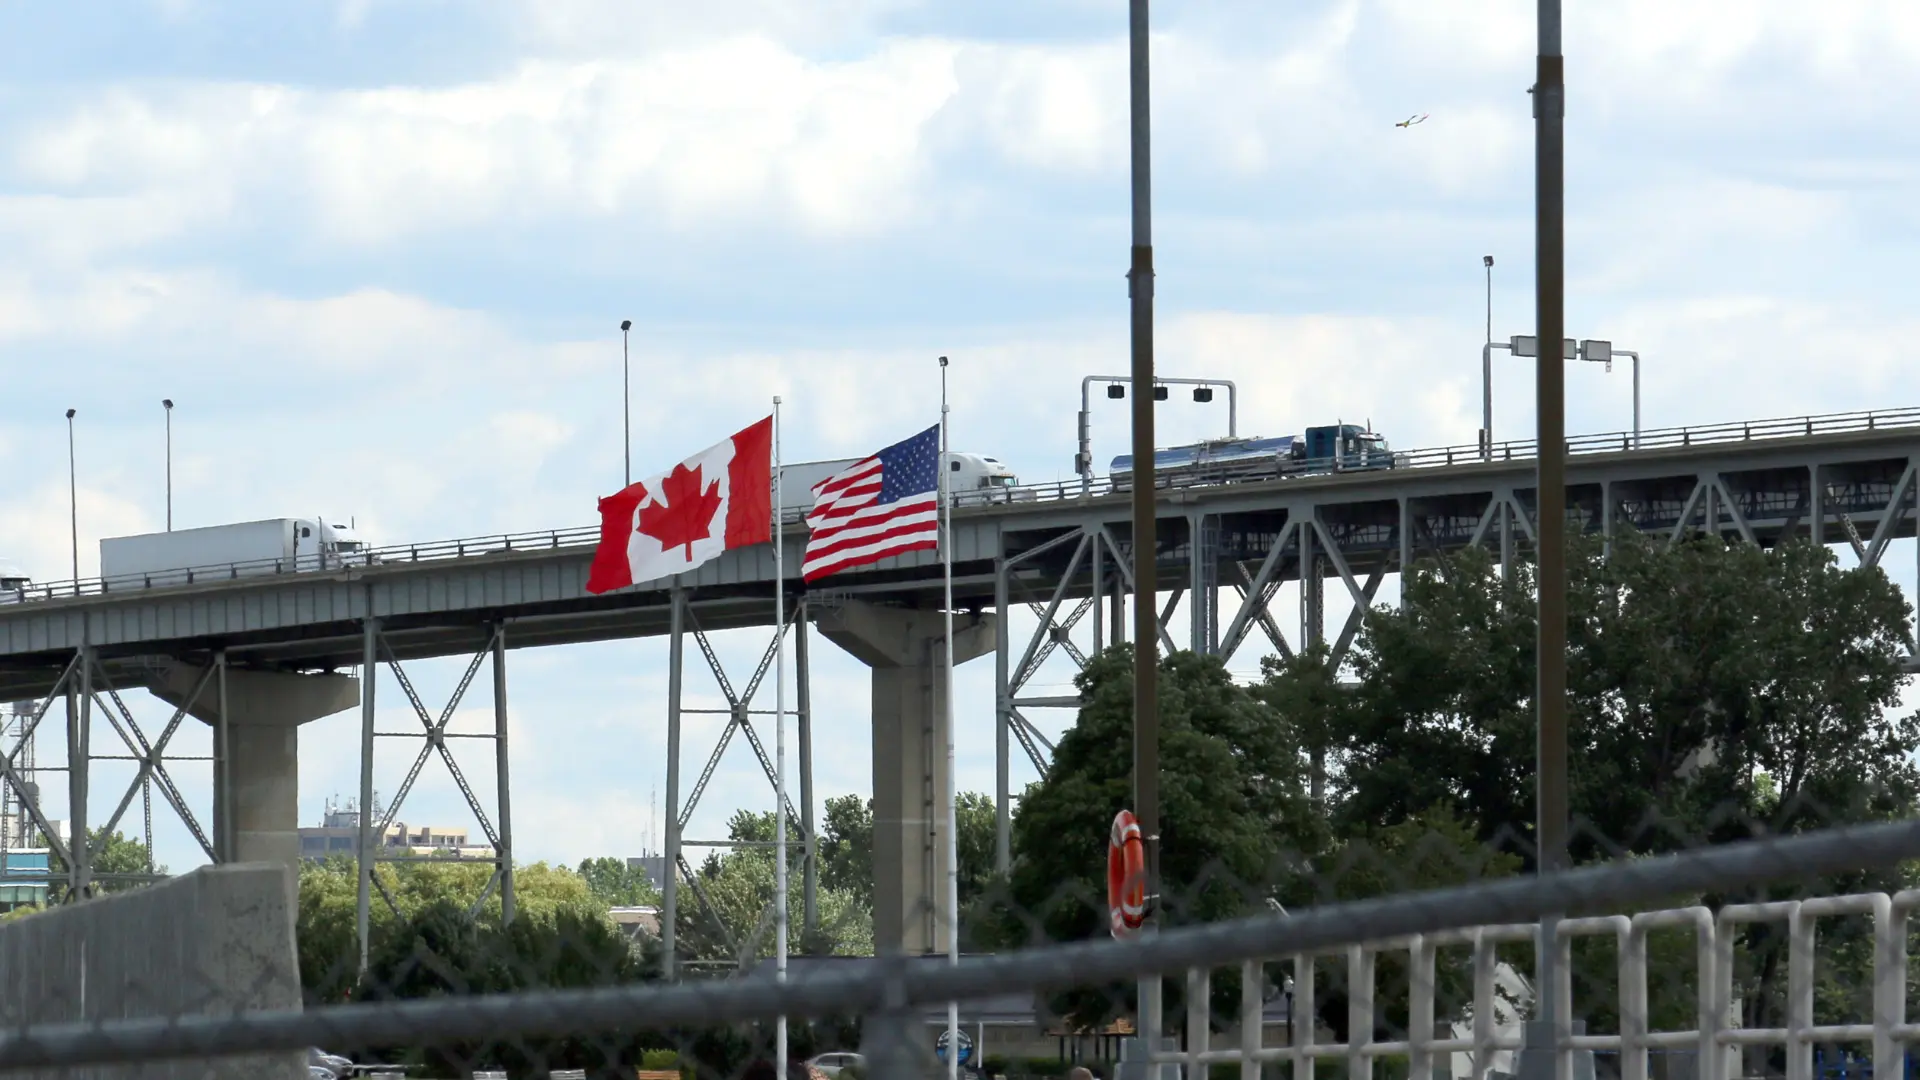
(741,718)
(152,767)
(1256,595)
(9,767)
(435,740)
(434,737)
(740,714)
(85,684)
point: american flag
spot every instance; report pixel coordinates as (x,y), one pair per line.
(883,505)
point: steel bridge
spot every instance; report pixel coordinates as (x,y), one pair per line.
(1063,552)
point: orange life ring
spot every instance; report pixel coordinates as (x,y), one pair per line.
(1126,875)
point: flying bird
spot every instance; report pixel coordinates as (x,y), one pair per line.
(1412,120)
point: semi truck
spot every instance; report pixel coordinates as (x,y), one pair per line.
(1332,448)
(972,478)
(13,581)
(241,549)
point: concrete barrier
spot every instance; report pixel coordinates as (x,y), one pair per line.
(217,940)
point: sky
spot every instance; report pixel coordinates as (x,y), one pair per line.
(377,252)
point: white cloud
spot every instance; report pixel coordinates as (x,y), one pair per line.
(733,124)
(603,27)
(740,128)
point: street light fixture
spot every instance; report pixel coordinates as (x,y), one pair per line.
(1117,389)
(167,403)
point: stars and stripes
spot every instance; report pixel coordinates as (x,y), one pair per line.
(883,505)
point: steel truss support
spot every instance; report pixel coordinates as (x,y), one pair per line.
(434,738)
(151,760)
(1203,583)
(1503,515)
(85,684)
(1256,594)
(10,765)
(1092,546)
(740,713)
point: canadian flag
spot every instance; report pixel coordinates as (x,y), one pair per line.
(716,500)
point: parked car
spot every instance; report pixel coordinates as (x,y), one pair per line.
(831,1064)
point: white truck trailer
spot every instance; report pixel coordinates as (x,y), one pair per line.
(972,479)
(242,549)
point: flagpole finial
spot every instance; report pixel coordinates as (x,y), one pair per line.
(943,361)
(776,399)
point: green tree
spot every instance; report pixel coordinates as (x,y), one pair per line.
(1714,691)
(1235,819)
(113,853)
(327,934)
(726,917)
(846,845)
(616,884)
(441,949)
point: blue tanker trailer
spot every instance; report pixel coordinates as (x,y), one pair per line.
(1334,448)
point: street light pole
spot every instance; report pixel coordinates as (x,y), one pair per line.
(1635,357)
(1146,615)
(626,403)
(1486,372)
(167,403)
(73,503)
(1486,395)
(1551,807)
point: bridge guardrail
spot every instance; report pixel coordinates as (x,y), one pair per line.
(1432,457)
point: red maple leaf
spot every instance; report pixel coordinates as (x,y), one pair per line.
(687,514)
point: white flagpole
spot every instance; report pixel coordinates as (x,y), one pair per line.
(780,748)
(953,785)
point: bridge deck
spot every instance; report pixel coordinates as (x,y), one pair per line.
(1764,487)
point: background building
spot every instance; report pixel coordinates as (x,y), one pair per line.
(654,866)
(339,834)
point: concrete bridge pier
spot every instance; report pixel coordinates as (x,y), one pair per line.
(906,648)
(256,778)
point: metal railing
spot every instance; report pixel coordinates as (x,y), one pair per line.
(890,994)
(1715,1038)
(587,535)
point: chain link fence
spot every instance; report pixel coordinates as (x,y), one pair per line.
(1346,884)
(1420,978)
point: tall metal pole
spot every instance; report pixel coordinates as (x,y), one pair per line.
(1146,634)
(1549,110)
(1635,357)
(501,776)
(779,746)
(73,503)
(1486,371)
(946,708)
(79,757)
(369,669)
(670,888)
(1003,725)
(626,402)
(803,723)
(167,404)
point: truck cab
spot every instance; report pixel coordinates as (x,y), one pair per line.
(339,544)
(974,478)
(1343,447)
(13,582)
